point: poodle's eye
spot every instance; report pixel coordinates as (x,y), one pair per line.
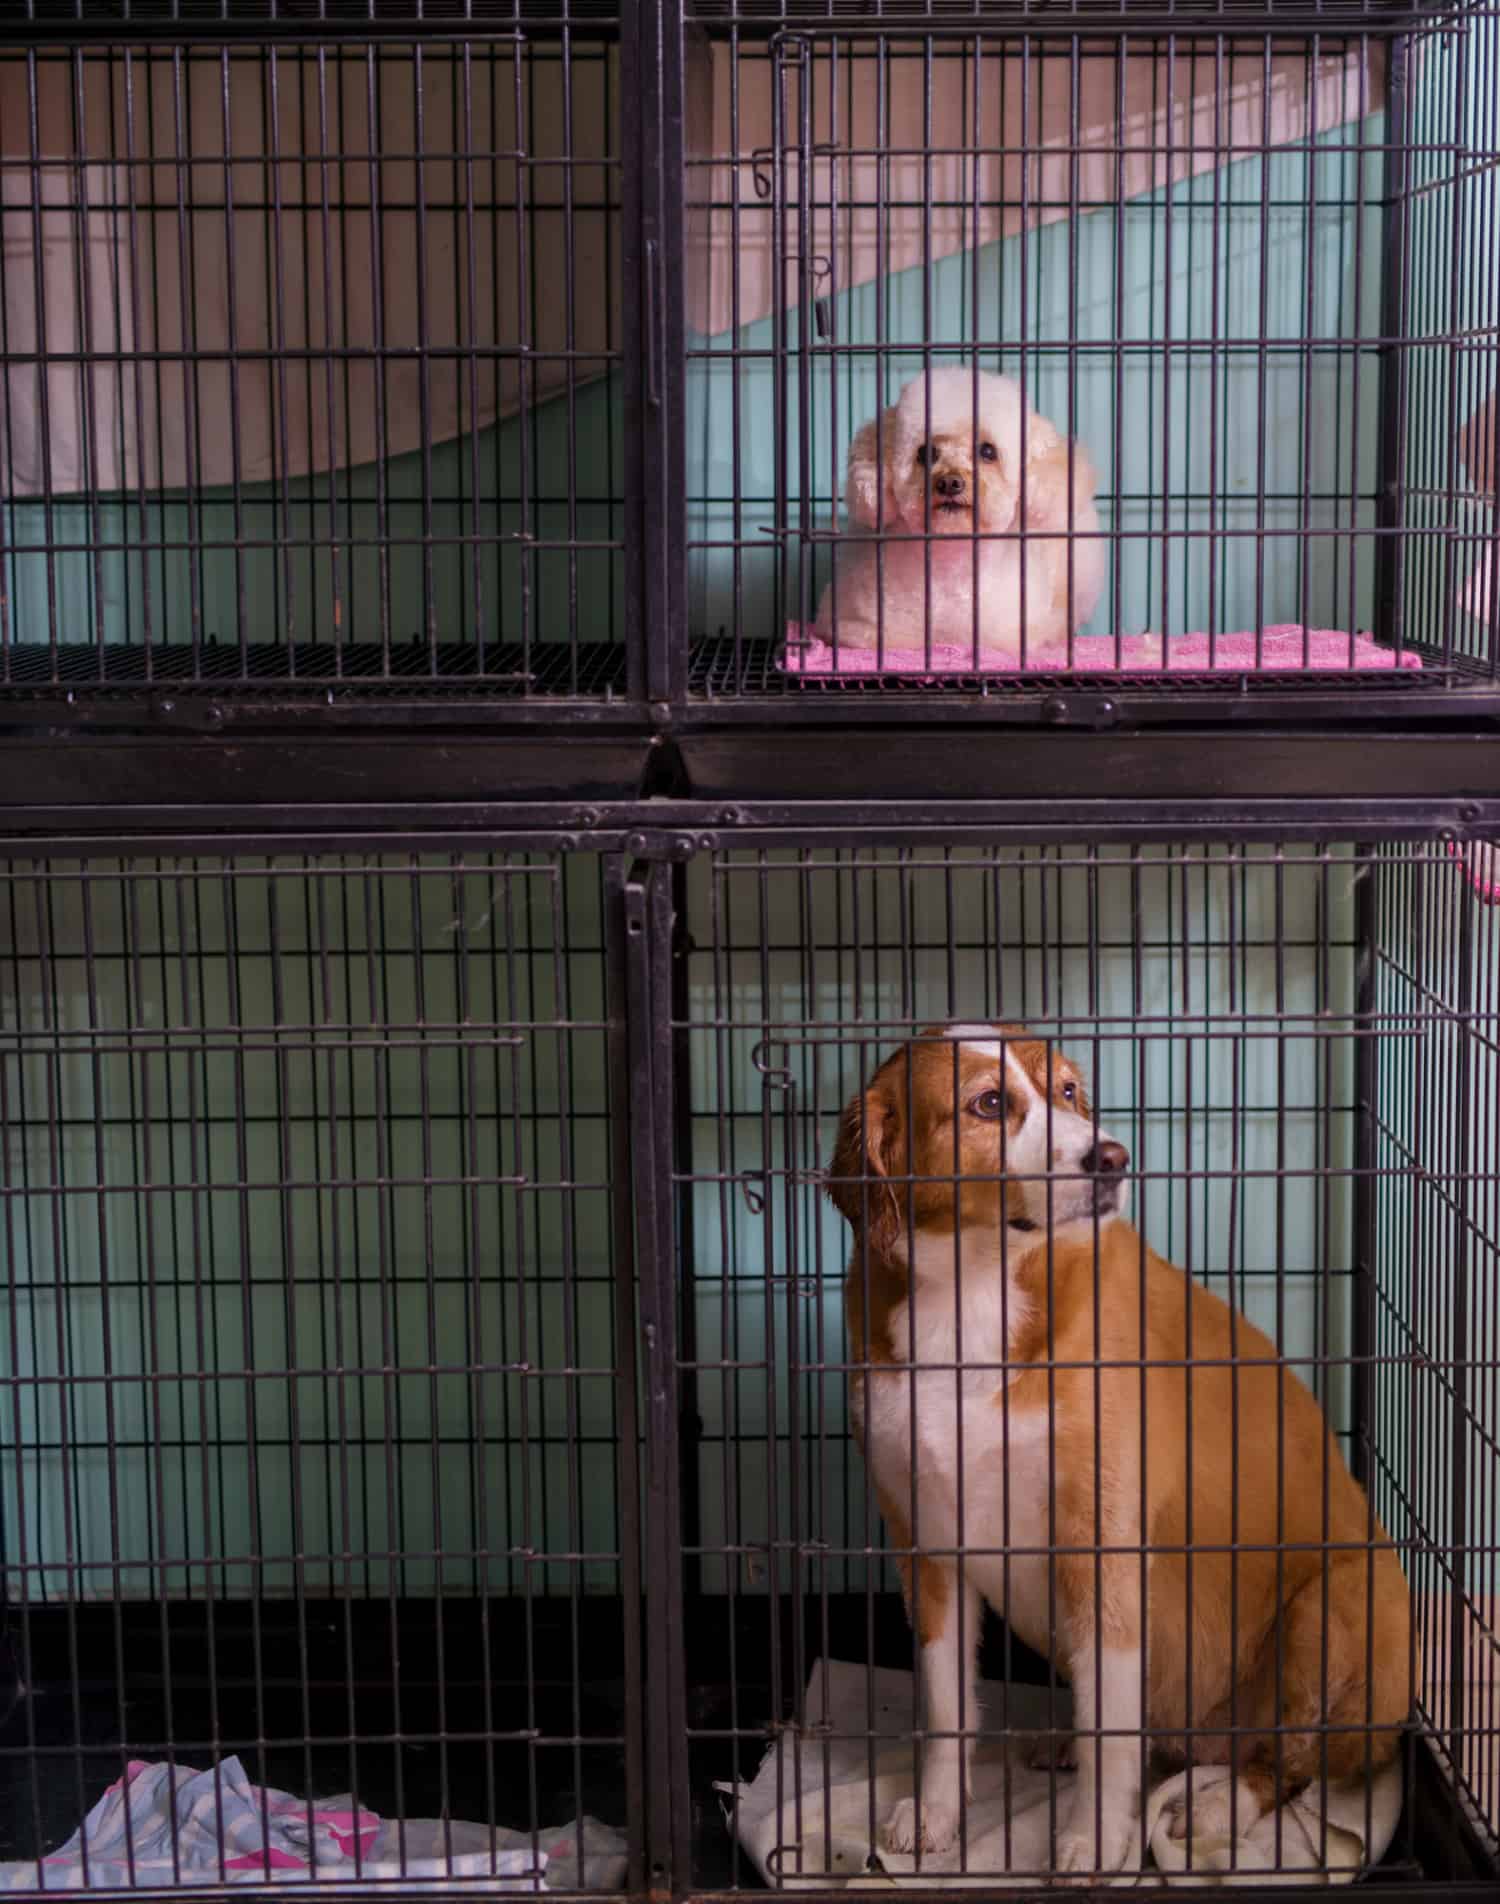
(989,1104)
(922,455)
(988,452)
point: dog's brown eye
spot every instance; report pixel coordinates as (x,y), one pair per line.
(987,452)
(988,1104)
(922,457)
(1070,1093)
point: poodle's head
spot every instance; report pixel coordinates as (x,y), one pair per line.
(948,456)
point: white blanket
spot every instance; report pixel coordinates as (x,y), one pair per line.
(805,1818)
(168,1825)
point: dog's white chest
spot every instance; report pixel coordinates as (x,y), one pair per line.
(982,1466)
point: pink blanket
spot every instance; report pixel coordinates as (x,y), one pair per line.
(1327,650)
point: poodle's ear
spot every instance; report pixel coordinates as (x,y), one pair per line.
(867,477)
(870,1150)
(1477,446)
(1051,462)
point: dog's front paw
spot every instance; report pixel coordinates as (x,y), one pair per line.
(1084,1853)
(1221,1812)
(938,1826)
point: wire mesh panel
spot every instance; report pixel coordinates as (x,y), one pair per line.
(310,351)
(1217,1454)
(1163,353)
(315,1435)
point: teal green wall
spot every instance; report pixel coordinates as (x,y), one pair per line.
(1452,296)
(279,1104)
(129,569)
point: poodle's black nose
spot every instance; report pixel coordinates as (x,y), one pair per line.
(1106,1159)
(948,486)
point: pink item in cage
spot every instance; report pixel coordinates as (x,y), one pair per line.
(1282,648)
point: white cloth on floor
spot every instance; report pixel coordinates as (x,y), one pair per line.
(164,1824)
(806,1816)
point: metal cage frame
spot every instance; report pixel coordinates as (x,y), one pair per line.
(683,724)
(651,1094)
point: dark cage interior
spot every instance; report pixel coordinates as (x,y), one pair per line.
(319,1444)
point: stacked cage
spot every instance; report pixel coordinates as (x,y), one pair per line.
(750,977)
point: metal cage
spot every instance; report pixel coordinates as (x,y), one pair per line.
(344,1189)
(313,371)
(1228,257)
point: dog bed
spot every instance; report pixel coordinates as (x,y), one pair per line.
(805,1818)
(1281,649)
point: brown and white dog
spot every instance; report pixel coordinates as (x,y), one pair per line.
(997,1292)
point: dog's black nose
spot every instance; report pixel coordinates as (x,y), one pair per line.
(948,486)
(1107,1159)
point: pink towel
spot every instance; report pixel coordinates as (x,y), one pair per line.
(1281,648)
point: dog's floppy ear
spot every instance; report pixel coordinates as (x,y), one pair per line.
(870,1150)
(1051,462)
(868,455)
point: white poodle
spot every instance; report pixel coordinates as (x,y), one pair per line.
(939,491)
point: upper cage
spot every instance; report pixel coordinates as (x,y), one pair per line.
(313,347)
(1239,259)
(509,354)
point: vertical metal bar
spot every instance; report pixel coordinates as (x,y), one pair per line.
(1390,552)
(654,342)
(645,899)
(780,382)
(1366,1085)
(1461,1125)
(621,1097)
(690,1416)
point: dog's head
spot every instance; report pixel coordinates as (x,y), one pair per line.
(969,1126)
(951,457)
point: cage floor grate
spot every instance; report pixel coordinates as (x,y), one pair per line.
(586,670)
(726,669)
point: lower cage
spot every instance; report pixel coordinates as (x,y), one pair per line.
(1295,1046)
(328,1196)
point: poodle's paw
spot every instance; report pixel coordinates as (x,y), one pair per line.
(1224,1811)
(1053,1751)
(938,1825)
(1085,1854)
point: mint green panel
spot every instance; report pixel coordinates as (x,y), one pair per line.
(1452,296)
(1193,428)
(317,556)
(307,1229)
